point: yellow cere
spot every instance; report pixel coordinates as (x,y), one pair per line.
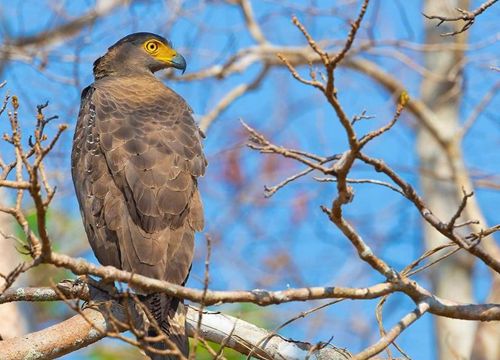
(159,50)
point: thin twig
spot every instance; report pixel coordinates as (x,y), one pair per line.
(392,334)
(363,181)
(271,190)
(468,16)
(206,282)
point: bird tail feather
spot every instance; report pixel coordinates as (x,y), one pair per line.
(170,315)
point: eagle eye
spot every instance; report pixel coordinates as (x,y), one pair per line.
(151,46)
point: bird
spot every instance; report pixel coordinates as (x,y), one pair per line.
(136,158)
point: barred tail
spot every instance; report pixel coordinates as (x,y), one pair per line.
(170,314)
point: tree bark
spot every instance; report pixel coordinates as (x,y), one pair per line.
(13,323)
(453,279)
(78,332)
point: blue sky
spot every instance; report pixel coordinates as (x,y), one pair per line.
(249,229)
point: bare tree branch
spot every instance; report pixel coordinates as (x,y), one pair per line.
(95,322)
(23,48)
(469,17)
(229,98)
(392,334)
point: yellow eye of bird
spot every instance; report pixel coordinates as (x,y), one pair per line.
(151,46)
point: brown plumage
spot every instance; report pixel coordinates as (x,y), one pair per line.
(136,157)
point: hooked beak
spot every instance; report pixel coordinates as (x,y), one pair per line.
(179,62)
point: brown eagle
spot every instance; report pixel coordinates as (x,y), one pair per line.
(136,157)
